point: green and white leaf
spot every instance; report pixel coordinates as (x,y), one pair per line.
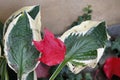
(84,44)
(82,28)
(82,47)
(32,76)
(19,50)
(33,11)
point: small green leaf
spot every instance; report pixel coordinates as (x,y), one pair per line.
(88,76)
(116,44)
(86,16)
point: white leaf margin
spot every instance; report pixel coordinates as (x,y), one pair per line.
(83,28)
(11,25)
(35,26)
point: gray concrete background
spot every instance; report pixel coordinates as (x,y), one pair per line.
(57,15)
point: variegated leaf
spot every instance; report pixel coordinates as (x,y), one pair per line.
(32,76)
(89,58)
(19,33)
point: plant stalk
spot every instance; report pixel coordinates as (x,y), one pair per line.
(22,77)
(6,73)
(57,71)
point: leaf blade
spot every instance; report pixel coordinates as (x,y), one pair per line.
(20,53)
(83,47)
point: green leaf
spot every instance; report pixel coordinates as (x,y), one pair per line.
(7,24)
(1,31)
(32,76)
(87,55)
(88,76)
(99,34)
(83,47)
(116,44)
(65,74)
(79,45)
(3,69)
(1,38)
(86,16)
(34,12)
(20,29)
(21,54)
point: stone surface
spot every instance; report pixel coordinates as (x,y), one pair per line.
(57,15)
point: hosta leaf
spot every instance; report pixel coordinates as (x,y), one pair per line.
(99,34)
(82,28)
(86,55)
(33,11)
(83,44)
(19,50)
(80,44)
(32,76)
(82,41)
(83,47)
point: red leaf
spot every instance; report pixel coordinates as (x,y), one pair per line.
(112,67)
(52,49)
(42,71)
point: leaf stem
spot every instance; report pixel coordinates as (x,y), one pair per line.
(23,76)
(20,74)
(19,77)
(6,72)
(57,71)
